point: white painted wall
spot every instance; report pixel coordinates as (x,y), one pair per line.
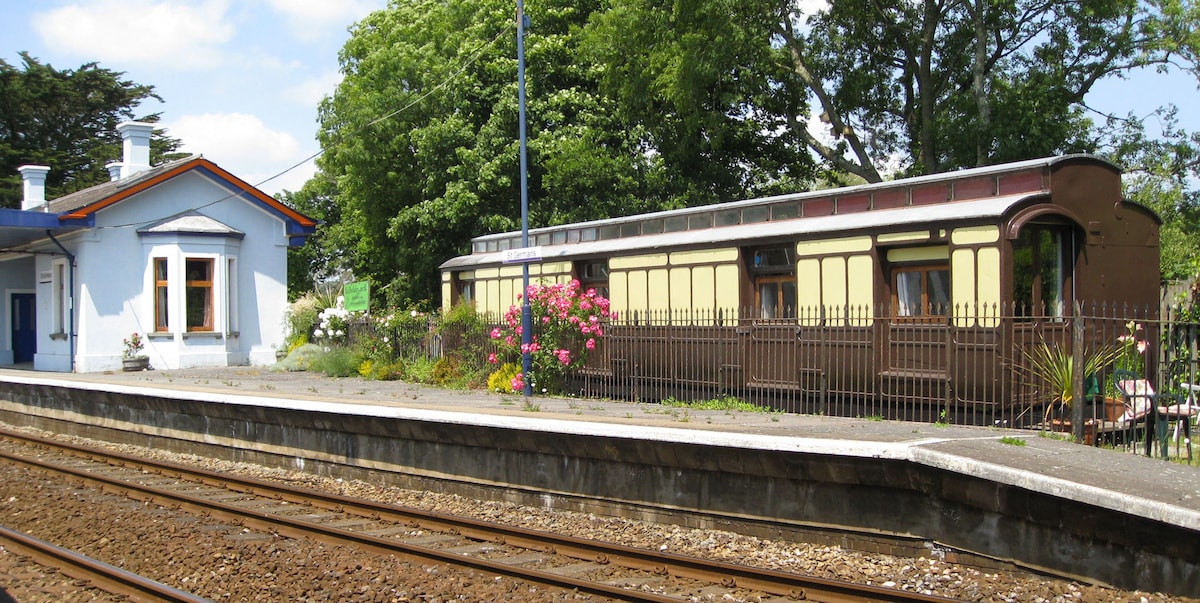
(114,282)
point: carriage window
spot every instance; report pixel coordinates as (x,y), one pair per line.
(1041,270)
(921,291)
(593,274)
(465,289)
(774,272)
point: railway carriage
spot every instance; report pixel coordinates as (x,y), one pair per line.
(918,290)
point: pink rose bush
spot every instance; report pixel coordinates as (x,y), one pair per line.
(566,322)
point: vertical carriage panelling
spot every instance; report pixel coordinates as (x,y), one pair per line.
(836,274)
(496,289)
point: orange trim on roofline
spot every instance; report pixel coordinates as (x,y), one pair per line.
(199,162)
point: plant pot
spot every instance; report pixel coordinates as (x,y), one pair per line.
(1064,426)
(137,363)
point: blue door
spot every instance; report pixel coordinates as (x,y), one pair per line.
(24,327)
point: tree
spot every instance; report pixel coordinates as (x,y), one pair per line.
(320,258)
(933,85)
(421,138)
(66,120)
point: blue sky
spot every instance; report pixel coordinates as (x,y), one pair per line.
(241,79)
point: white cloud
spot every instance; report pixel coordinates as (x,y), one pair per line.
(312,19)
(246,147)
(311,91)
(181,34)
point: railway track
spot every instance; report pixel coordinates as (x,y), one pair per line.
(598,568)
(96,573)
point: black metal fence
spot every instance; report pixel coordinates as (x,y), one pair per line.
(996,366)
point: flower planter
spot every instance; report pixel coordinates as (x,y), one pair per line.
(137,363)
(1063,426)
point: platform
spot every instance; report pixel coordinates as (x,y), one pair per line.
(1103,515)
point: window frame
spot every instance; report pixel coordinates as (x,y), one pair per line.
(191,285)
(780,274)
(162,293)
(1036,306)
(925,307)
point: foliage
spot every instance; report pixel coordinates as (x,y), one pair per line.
(566,321)
(133,346)
(1051,367)
(640,105)
(421,139)
(726,402)
(299,358)
(381,370)
(332,323)
(301,319)
(67,120)
(1131,349)
(336,361)
(501,380)
(321,257)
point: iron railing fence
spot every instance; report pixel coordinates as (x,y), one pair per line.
(969,366)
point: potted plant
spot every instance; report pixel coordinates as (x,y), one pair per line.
(1052,371)
(133,359)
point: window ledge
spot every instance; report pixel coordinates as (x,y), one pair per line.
(160,335)
(58,336)
(203,335)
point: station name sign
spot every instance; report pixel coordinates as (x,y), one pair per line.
(522,255)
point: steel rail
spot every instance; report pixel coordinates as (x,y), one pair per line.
(785,584)
(103,576)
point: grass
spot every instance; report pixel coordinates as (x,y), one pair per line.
(1011,441)
(726,403)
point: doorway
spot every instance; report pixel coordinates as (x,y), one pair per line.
(24,327)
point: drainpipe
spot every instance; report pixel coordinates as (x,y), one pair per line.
(70,298)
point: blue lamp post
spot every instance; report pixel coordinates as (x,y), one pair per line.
(526,312)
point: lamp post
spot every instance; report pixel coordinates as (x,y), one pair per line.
(526,312)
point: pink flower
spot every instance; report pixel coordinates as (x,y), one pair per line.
(496,333)
(1141,346)
(564,356)
(518,382)
(493,359)
(590,344)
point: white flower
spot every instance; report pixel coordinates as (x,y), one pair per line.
(318,333)
(413,314)
(385,339)
(339,333)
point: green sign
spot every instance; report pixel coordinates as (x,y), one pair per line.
(358,296)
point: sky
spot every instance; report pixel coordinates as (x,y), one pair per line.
(241,79)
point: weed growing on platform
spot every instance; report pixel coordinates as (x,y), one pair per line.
(1011,441)
(726,403)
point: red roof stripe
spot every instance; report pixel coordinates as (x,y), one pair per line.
(199,162)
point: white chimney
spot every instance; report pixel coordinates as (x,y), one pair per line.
(34,179)
(135,136)
(114,169)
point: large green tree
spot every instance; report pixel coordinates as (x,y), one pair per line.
(421,138)
(67,120)
(931,85)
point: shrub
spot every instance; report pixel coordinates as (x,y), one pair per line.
(501,381)
(336,362)
(567,322)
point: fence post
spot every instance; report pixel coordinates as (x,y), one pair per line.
(1077,373)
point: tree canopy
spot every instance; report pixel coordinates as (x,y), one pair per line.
(66,120)
(641,105)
